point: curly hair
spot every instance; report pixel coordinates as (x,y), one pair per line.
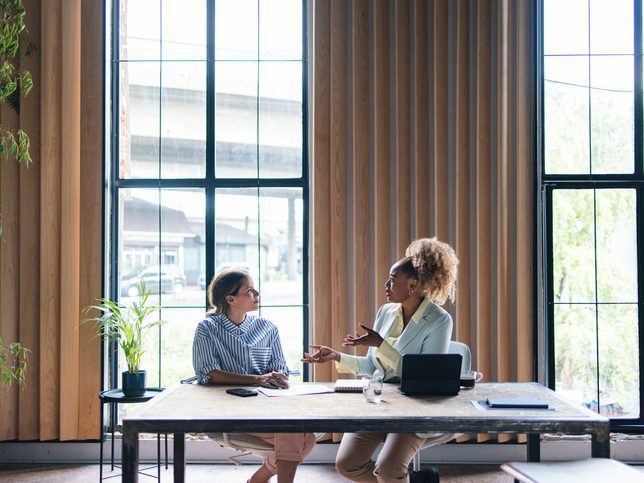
(226,282)
(435,265)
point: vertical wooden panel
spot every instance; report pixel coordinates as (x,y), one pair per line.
(50,221)
(421,119)
(441,120)
(70,221)
(91,243)
(321,248)
(402,131)
(491,139)
(381,145)
(338,168)
(463,314)
(524,186)
(9,271)
(362,267)
(28,417)
(483,195)
(503,300)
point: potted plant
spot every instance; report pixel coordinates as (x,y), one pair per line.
(13,363)
(126,326)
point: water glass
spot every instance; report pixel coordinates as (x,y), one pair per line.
(373,390)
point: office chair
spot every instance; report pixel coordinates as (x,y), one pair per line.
(440,438)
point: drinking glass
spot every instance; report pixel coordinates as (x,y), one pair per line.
(373,390)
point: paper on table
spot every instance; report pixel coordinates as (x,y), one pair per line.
(297,390)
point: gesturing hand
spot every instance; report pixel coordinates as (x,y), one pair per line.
(371,338)
(320,353)
(273,380)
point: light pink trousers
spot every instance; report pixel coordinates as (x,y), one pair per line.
(288,447)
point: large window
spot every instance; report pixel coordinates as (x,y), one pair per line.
(209,164)
(592,184)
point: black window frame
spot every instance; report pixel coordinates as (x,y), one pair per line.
(209,183)
(547,183)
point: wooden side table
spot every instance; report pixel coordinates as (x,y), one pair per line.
(114,397)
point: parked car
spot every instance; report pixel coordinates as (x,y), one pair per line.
(170,280)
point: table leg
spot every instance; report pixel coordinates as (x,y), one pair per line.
(100,457)
(179,458)
(113,416)
(159,456)
(534,448)
(166,451)
(600,444)
(130,455)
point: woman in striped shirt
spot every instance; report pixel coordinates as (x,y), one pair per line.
(233,347)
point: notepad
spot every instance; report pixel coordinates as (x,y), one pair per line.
(516,402)
(350,385)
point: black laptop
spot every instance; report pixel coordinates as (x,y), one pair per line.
(431,374)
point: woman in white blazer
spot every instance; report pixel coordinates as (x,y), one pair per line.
(411,323)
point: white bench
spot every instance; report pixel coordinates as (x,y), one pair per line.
(594,470)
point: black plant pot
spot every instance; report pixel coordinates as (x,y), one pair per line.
(133,383)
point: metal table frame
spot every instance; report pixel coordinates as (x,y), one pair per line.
(114,397)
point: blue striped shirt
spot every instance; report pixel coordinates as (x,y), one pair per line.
(252,347)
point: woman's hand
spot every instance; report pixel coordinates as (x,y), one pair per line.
(371,338)
(273,380)
(320,353)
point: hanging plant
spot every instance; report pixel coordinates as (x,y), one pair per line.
(13,363)
(14,81)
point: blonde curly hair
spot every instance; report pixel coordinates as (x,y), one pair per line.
(435,264)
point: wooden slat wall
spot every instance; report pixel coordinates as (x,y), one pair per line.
(48,271)
(438,142)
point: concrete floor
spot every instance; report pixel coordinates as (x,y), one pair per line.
(309,473)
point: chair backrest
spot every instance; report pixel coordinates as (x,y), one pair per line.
(456,347)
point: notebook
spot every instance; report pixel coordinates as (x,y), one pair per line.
(431,374)
(350,385)
(516,402)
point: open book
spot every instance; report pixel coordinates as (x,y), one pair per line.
(350,385)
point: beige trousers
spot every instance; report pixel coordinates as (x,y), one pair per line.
(356,449)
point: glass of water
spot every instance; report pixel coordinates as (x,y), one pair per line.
(373,390)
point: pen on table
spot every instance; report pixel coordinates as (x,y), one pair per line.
(294,373)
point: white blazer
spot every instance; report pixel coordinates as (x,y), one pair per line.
(430,335)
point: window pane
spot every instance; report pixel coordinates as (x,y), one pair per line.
(565,27)
(290,323)
(138,236)
(139,120)
(618,361)
(280,119)
(183,120)
(576,353)
(280,29)
(236,231)
(162,242)
(281,219)
(176,343)
(612,114)
(183,248)
(611,27)
(573,246)
(236,29)
(616,245)
(140,30)
(184,29)
(236,120)
(566,114)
